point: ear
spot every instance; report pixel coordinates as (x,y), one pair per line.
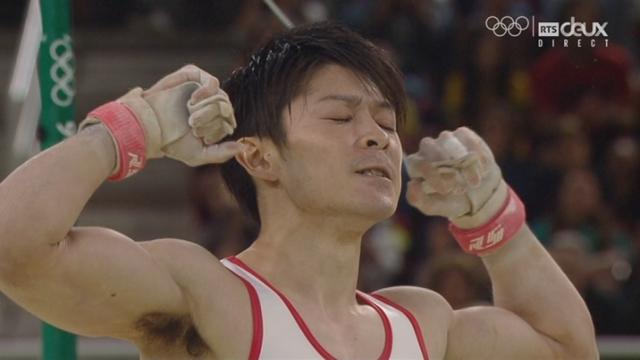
(259,158)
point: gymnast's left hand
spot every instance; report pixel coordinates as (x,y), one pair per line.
(456,176)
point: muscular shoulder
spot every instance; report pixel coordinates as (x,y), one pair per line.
(431,310)
(168,248)
(194,269)
(183,259)
(210,290)
(421,301)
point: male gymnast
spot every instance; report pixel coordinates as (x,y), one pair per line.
(316,159)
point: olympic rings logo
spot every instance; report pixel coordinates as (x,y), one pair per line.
(507,25)
(62,72)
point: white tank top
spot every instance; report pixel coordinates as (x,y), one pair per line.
(279,332)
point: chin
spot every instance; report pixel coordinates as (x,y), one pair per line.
(377,210)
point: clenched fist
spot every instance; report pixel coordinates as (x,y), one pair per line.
(456,176)
(183,116)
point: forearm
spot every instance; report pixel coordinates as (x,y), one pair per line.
(41,200)
(527,282)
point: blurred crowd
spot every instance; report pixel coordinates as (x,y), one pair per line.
(563,124)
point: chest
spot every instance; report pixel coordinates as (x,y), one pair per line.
(282,329)
(260,322)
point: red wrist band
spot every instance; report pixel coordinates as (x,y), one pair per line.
(496,232)
(129,137)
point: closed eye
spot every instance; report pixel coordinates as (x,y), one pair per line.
(388,128)
(345,119)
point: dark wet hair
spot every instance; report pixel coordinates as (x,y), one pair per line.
(280,70)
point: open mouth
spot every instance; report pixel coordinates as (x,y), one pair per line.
(375,172)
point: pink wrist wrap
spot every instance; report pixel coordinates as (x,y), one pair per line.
(496,232)
(128,134)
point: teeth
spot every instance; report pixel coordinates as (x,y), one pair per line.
(373,172)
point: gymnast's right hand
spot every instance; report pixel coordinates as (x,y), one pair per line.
(182,116)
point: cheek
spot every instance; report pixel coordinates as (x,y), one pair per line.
(296,173)
(307,170)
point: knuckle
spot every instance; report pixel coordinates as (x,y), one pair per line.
(190,67)
(215,82)
(461,131)
(444,137)
(445,134)
(223,93)
(426,143)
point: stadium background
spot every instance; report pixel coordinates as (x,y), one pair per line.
(562,122)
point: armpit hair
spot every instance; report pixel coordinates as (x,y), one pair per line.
(171,331)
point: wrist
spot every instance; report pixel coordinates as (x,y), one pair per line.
(105,145)
(146,117)
(127,134)
(502,227)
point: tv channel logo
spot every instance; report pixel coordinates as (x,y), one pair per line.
(548,29)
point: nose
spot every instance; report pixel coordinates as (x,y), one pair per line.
(372,135)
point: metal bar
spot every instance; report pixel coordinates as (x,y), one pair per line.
(279,14)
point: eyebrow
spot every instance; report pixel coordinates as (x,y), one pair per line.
(353,100)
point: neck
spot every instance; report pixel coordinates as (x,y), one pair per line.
(311,258)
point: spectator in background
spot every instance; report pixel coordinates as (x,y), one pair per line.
(462,74)
(382,256)
(223,228)
(502,127)
(256,23)
(632,287)
(591,274)
(579,206)
(458,73)
(621,179)
(429,240)
(591,245)
(403,23)
(489,70)
(572,149)
(405,29)
(458,277)
(562,147)
(355,13)
(438,240)
(590,81)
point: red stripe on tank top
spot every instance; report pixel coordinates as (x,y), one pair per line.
(256,314)
(303,325)
(412,319)
(388,332)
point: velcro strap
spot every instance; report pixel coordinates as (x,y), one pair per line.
(496,232)
(128,133)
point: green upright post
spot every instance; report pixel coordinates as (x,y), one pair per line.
(56,68)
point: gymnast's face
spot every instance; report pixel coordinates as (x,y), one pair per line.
(343,155)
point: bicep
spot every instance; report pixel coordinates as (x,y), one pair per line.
(97,282)
(495,333)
